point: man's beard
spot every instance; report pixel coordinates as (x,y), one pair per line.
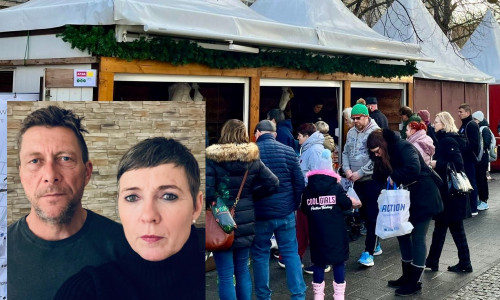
(63,218)
(360,126)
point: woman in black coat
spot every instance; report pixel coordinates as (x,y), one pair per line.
(399,162)
(227,163)
(449,151)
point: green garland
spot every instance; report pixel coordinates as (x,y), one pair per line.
(100,41)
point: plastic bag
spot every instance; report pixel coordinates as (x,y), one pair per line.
(394,213)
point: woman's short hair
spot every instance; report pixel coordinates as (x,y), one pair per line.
(234,131)
(347,113)
(417,125)
(307,129)
(448,121)
(322,127)
(157,151)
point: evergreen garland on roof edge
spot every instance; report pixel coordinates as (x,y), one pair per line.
(100,41)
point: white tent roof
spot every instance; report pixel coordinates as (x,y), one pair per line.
(217,20)
(483,46)
(335,25)
(449,64)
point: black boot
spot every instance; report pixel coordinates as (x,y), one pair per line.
(413,284)
(461,267)
(434,266)
(405,266)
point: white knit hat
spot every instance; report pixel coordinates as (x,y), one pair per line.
(478,115)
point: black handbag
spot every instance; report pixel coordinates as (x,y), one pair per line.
(435,176)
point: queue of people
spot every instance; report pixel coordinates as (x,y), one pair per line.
(311,202)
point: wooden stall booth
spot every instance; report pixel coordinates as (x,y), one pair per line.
(248,93)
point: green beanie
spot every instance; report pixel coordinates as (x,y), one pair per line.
(359,109)
(415,118)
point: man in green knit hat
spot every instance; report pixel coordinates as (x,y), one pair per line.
(358,168)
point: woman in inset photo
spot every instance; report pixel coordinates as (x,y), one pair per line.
(158,202)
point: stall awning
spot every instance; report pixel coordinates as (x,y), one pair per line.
(215,20)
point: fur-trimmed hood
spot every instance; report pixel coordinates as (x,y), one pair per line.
(247,152)
(324,172)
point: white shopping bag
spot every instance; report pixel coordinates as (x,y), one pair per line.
(346,183)
(393,214)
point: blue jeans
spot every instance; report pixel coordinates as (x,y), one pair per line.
(233,262)
(284,231)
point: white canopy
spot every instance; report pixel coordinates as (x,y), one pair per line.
(216,20)
(401,23)
(483,46)
(334,24)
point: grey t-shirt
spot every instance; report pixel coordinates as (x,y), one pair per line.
(37,268)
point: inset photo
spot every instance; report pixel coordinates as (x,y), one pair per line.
(104,200)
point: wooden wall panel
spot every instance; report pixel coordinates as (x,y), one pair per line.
(427,95)
(59,78)
(476,96)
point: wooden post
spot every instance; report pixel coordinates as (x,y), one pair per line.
(347,103)
(253,119)
(410,95)
(106,86)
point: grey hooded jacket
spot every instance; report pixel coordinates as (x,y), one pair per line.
(355,156)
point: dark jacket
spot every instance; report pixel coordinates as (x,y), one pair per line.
(431,132)
(380,119)
(283,162)
(486,141)
(409,169)
(470,131)
(229,162)
(180,276)
(323,202)
(284,134)
(449,151)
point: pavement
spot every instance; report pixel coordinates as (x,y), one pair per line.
(483,236)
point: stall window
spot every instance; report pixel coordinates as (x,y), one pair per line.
(300,106)
(224,102)
(6,81)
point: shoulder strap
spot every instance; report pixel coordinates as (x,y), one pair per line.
(465,131)
(241,188)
